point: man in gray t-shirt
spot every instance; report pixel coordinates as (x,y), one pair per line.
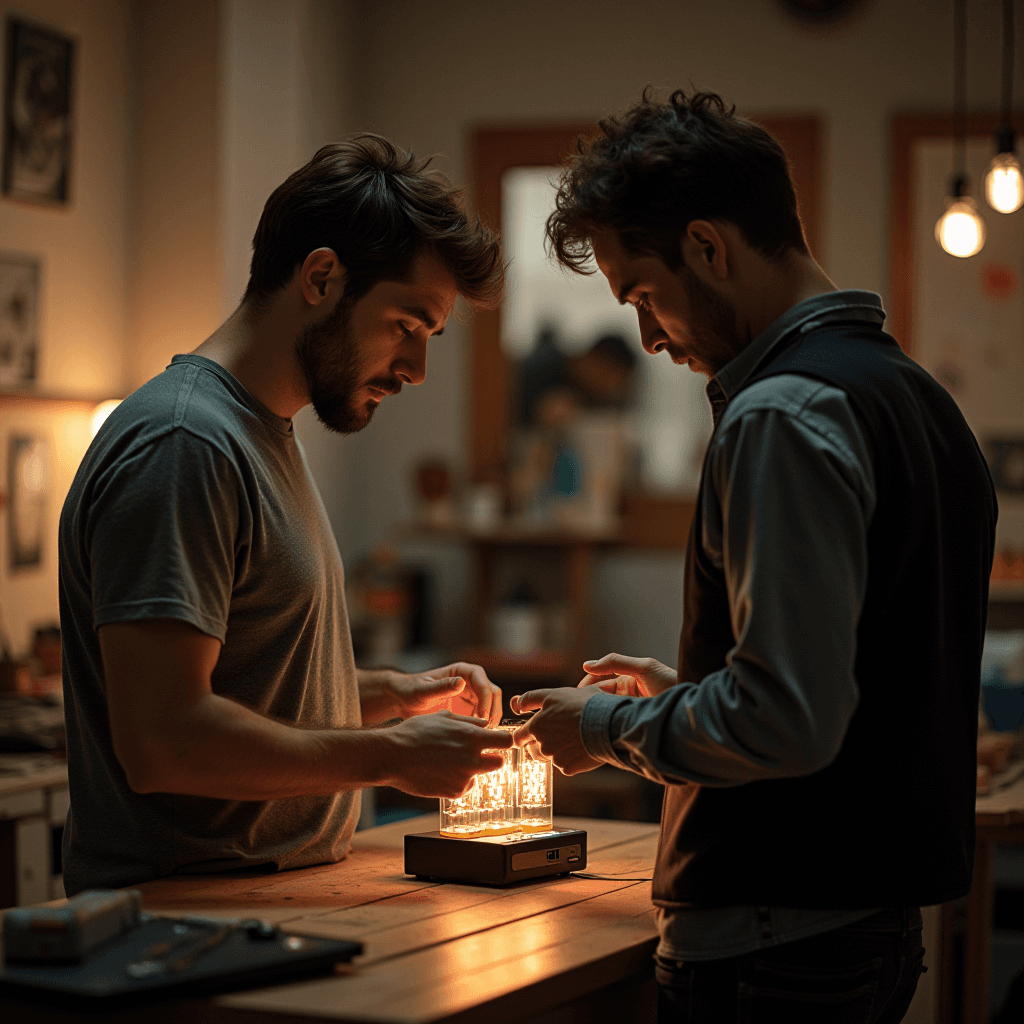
(215,716)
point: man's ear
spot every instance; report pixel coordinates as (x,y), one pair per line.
(321,276)
(704,250)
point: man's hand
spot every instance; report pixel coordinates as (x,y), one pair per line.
(629,677)
(438,755)
(461,688)
(555,729)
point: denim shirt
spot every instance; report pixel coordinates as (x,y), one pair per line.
(794,453)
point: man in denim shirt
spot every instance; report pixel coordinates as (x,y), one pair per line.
(818,771)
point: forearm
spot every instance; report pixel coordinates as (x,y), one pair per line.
(785,518)
(219,749)
(721,732)
(377,702)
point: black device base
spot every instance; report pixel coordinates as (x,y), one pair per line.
(496,860)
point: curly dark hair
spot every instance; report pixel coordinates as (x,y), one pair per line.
(378,207)
(660,166)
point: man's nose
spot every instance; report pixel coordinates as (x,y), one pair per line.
(652,337)
(411,365)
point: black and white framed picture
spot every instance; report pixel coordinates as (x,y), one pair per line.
(19,321)
(27,486)
(37,114)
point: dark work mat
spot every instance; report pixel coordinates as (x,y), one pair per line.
(238,962)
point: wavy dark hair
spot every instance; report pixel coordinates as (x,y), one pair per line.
(660,166)
(378,207)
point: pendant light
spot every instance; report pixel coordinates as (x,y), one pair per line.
(960,230)
(1004,185)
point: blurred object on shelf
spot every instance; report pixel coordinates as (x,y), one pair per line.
(517,623)
(569,454)
(30,723)
(483,507)
(389,606)
(434,491)
(46,649)
(1008,566)
(994,750)
(545,468)
(1002,679)
(15,675)
(602,439)
(1002,658)
(22,766)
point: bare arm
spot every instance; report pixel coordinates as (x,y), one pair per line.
(173,734)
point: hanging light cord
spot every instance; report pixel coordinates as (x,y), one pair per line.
(960,96)
(1007,62)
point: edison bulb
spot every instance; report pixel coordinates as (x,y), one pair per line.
(960,231)
(1004,184)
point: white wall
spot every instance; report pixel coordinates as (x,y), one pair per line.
(84,249)
(284,92)
(176,258)
(84,245)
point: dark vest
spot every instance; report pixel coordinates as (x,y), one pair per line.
(890,822)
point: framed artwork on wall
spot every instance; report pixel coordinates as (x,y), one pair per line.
(37,114)
(19,321)
(27,486)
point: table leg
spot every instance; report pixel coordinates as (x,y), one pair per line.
(978,936)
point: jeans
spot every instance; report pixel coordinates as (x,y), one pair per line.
(862,973)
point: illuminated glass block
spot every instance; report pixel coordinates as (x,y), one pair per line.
(513,798)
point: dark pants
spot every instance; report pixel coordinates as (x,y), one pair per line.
(862,973)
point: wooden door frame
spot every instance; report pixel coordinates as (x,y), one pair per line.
(494,149)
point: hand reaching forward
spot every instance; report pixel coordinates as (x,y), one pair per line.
(438,755)
(629,677)
(461,688)
(555,729)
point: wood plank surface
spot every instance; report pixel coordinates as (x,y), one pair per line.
(434,951)
(373,870)
(482,967)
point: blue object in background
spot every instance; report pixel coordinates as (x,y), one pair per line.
(1004,707)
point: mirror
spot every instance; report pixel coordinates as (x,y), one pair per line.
(663,420)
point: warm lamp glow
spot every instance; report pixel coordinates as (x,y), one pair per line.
(1004,185)
(960,231)
(101,412)
(513,798)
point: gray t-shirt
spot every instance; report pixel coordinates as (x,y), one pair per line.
(194,502)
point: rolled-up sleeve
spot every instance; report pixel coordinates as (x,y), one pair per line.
(787,500)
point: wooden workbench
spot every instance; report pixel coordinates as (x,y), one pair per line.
(561,949)
(33,803)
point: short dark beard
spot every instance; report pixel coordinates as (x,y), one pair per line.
(330,364)
(712,323)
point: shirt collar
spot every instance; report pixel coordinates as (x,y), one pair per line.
(848,304)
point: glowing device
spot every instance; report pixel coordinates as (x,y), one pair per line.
(501,830)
